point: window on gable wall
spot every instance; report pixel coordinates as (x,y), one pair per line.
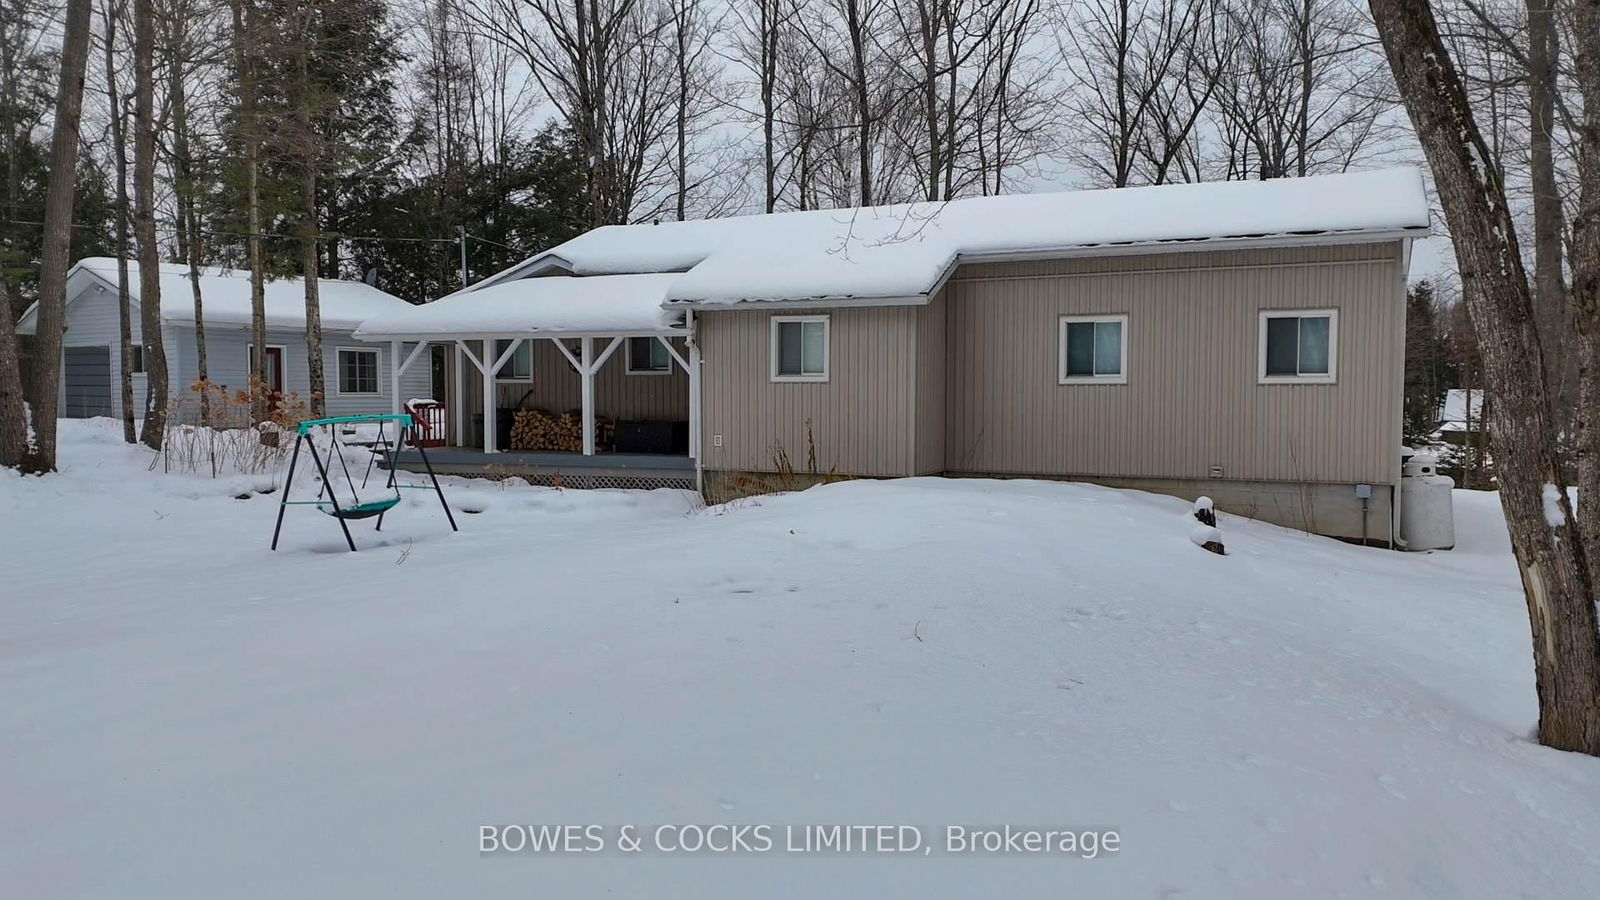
(800,348)
(1298,346)
(1094,349)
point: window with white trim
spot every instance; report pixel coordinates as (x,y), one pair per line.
(1094,349)
(136,358)
(799,348)
(1298,346)
(648,356)
(358,371)
(519,367)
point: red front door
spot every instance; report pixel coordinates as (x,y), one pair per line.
(275,369)
(274,383)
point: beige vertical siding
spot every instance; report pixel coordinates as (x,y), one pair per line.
(618,395)
(861,418)
(1191,400)
(930,352)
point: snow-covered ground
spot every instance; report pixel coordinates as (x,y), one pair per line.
(184,714)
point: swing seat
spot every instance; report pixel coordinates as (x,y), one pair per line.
(362,510)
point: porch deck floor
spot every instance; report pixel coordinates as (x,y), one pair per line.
(473,459)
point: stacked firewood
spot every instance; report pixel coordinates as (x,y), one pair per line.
(535,429)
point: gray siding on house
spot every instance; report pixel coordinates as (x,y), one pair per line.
(969,383)
(861,418)
(1191,400)
(932,377)
(228,364)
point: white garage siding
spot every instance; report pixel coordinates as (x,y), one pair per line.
(228,362)
(93,322)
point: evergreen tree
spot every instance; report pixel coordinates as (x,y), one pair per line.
(527,197)
(1429,370)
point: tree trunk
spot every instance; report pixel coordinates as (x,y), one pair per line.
(1550,301)
(1584,299)
(1549,551)
(189,215)
(769,77)
(308,226)
(119,149)
(243,24)
(308,269)
(58,230)
(13,410)
(144,225)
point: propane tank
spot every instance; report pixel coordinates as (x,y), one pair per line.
(1427,516)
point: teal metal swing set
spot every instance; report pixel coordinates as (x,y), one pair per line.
(327,500)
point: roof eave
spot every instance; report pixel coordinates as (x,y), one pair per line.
(1258,242)
(832,302)
(442,337)
(1195,245)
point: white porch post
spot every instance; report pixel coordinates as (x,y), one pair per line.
(460,399)
(694,390)
(586,369)
(394,377)
(490,414)
(489,365)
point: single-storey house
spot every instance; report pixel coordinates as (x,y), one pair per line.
(1242,340)
(1461,417)
(92,346)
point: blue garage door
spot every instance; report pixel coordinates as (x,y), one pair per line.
(87,375)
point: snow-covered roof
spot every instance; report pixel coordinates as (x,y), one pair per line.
(904,251)
(607,304)
(225,295)
(1454,411)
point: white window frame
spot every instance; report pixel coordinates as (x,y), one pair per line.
(827,349)
(494,354)
(136,359)
(654,341)
(1332,376)
(249,368)
(1061,350)
(338,372)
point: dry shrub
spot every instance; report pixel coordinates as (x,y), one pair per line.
(783,477)
(228,443)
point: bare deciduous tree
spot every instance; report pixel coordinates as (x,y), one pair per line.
(154,429)
(111,17)
(58,227)
(1549,549)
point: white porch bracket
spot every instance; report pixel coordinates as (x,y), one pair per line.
(487,370)
(576,365)
(674,353)
(400,369)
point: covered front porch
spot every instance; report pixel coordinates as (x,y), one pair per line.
(588,377)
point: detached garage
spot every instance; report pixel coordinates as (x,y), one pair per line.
(91,347)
